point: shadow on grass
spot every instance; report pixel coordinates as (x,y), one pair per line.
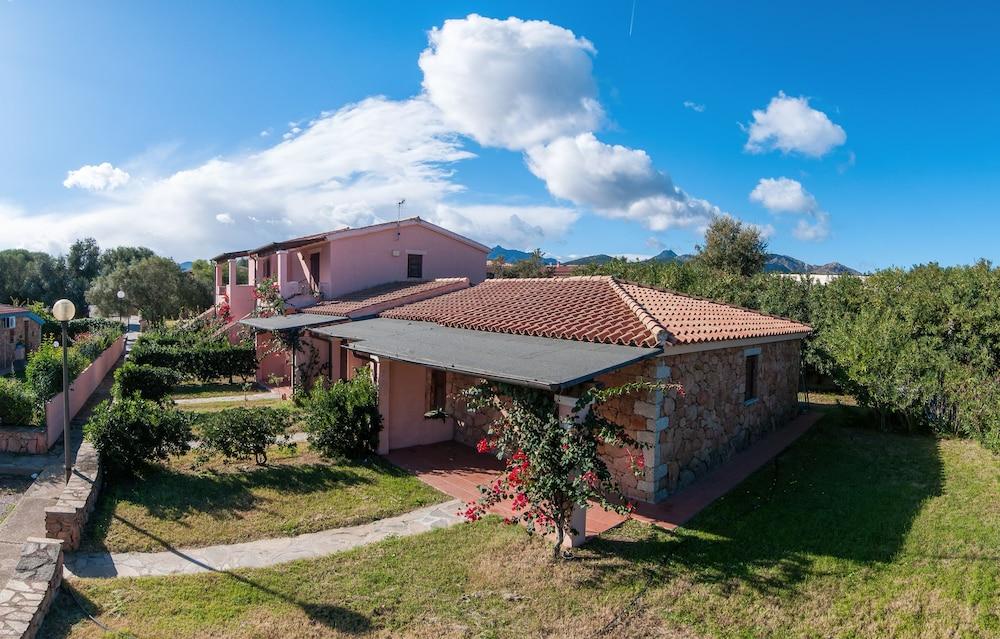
(841,492)
(171,494)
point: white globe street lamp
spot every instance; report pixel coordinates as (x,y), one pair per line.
(64,310)
(121,297)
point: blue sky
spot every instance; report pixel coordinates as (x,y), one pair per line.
(175,98)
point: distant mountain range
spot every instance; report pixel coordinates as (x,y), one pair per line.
(185,266)
(775,263)
(513,255)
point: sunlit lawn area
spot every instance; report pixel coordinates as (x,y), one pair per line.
(189,504)
(219,388)
(852,533)
(213,406)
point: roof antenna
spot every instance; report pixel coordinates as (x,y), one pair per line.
(399,208)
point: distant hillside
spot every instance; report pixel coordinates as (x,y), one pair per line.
(785,264)
(185,266)
(513,255)
(590,259)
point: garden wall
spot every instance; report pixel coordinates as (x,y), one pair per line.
(30,590)
(67,518)
(80,390)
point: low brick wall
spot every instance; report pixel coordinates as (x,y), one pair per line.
(67,518)
(24,440)
(30,591)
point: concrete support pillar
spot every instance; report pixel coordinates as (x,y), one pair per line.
(382,376)
(232,275)
(578,520)
(282,274)
(252,271)
(218,277)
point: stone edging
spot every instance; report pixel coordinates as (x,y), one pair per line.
(66,520)
(30,591)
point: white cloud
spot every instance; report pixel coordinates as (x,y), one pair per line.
(265,133)
(790,124)
(511,83)
(523,227)
(694,106)
(616,181)
(224,218)
(783,195)
(814,230)
(655,243)
(96,177)
(766,231)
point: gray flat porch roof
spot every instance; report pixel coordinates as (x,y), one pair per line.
(540,362)
(286,322)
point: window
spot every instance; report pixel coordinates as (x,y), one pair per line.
(8,322)
(437,392)
(267,267)
(414,265)
(314,268)
(752,370)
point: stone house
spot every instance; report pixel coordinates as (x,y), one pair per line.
(20,333)
(739,369)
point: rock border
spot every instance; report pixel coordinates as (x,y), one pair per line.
(30,591)
(66,519)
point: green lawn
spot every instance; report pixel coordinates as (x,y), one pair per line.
(211,407)
(220,388)
(186,504)
(852,533)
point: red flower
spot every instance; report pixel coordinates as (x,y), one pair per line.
(591,478)
(483,446)
(520,501)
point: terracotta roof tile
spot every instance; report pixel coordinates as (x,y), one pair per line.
(593,309)
(386,296)
(7,308)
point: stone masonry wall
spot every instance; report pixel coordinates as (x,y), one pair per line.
(711,422)
(30,591)
(67,518)
(469,427)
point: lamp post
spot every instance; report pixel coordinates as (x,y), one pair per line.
(121,298)
(63,310)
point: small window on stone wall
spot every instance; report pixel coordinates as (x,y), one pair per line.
(752,372)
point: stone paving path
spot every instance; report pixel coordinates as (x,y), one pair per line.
(258,554)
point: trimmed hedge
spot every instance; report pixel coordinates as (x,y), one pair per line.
(17,403)
(52,328)
(131,433)
(244,433)
(98,342)
(203,361)
(149,382)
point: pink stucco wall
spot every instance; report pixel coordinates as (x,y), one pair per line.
(80,390)
(361,261)
(405,423)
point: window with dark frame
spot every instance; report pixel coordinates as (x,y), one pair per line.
(414,266)
(314,268)
(750,388)
(436,396)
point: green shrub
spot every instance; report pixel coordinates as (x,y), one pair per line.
(44,371)
(203,361)
(343,420)
(53,329)
(131,433)
(94,344)
(17,403)
(244,433)
(150,382)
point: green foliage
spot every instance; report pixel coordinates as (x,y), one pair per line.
(553,464)
(92,345)
(74,327)
(343,420)
(244,433)
(533,266)
(195,355)
(150,382)
(44,371)
(131,433)
(733,247)
(155,286)
(17,403)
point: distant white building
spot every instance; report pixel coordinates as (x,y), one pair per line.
(817,278)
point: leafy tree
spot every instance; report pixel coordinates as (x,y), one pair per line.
(114,258)
(155,286)
(733,247)
(533,266)
(204,271)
